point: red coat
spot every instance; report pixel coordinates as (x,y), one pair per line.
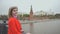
(14,26)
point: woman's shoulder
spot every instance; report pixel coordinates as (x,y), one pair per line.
(11,19)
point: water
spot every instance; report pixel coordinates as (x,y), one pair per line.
(47,27)
(44,27)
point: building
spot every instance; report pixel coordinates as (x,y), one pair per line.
(31,13)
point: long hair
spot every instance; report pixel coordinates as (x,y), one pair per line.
(10,11)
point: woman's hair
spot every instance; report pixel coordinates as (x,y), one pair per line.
(10,11)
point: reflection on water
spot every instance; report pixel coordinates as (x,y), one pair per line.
(44,27)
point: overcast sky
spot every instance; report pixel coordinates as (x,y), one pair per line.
(24,5)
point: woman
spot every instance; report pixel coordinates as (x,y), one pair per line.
(14,26)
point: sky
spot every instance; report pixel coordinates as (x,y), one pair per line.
(25,5)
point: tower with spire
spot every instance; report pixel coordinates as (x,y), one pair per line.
(31,13)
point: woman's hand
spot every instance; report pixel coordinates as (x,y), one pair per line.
(28,33)
(22,31)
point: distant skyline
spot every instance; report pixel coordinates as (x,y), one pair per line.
(25,5)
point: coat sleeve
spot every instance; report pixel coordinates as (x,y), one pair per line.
(18,26)
(12,26)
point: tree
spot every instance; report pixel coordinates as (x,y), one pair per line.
(26,15)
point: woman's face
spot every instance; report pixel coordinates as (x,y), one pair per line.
(14,12)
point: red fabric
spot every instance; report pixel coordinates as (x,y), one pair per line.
(14,26)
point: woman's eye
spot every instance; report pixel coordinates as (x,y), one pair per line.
(15,10)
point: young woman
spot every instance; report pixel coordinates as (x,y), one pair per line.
(14,26)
